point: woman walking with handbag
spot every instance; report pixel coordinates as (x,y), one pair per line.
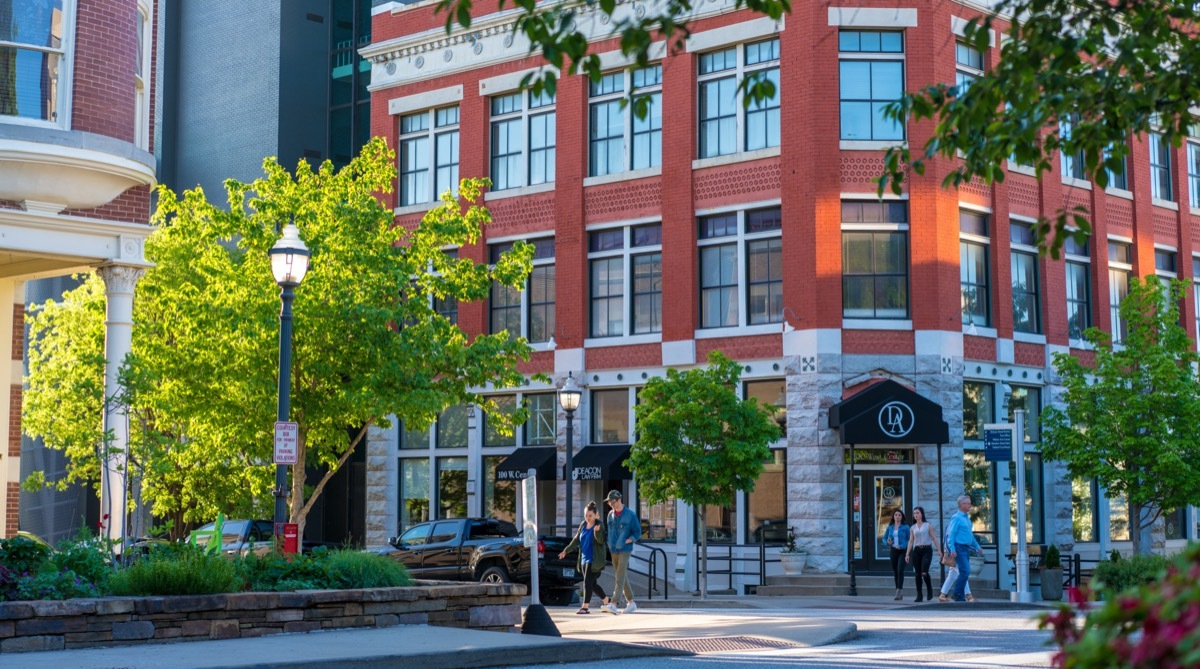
(920,551)
(897,538)
(591,540)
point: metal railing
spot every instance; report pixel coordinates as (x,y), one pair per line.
(734,562)
(651,573)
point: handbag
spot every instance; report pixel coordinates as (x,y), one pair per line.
(948,561)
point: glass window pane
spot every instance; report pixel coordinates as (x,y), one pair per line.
(854,79)
(542,426)
(499,497)
(452,427)
(507,404)
(1084,520)
(610,416)
(414,438)
(978,408)
(452,487)
(659,521)
(766,505)
(771,394)
(414,491)
(977,474)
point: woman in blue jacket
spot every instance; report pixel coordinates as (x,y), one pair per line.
(897,537)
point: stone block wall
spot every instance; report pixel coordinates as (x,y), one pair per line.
(123,621)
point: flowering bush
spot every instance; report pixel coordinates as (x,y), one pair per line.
(55,584)
(1150,626)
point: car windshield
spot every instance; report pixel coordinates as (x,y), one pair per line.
(231,532)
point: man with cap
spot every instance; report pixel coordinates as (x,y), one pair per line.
(623,530)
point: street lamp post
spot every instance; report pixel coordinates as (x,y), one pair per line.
(289,264)
(568,399)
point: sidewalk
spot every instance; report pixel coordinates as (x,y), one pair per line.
(655,626)
(752,602)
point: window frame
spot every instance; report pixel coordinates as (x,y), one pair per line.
(430,134)
(593,407)
(629,121)
(968,241)
(531,109)
(1084,264)
(64,85)
(739,73)
(1117,326)
(1161,170)
(1193,160)
(872,57)
(741,241)
(963,70)
(525,302)
(142,120)
(627,253)
(1026,253)
(877,228)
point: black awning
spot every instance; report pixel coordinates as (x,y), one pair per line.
(889,413)
(517,465)
(601,463)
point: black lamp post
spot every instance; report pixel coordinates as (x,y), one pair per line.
(289,264)
(568,399)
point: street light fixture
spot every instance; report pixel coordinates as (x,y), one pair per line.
(568,399)
(289,263)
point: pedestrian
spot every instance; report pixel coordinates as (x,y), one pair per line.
(920,551)
(960,543)
(948,586)
(623,531)
(896,537)
(592,542)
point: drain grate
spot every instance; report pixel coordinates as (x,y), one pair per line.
(721,644)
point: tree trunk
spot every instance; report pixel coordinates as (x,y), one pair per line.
(703,555)
(1135,528)
(298,512)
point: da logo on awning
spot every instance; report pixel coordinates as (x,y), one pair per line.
(896,419)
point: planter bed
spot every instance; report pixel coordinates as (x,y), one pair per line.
(118,621)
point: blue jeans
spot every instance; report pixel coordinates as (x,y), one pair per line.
(963,560)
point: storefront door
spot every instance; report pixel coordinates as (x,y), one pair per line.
(875,496)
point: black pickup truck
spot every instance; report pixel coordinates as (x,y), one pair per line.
(486,550)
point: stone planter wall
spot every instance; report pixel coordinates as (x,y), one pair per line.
(118,621)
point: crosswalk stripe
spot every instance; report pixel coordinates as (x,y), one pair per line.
(1018,660)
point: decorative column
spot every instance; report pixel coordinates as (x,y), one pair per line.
(119,282)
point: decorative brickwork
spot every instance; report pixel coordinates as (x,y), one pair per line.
(1088,358)
(741,348)
(518,215)
(880,342)
(860,170)
(18,326)
(1166,227)
(979,348)
(1023,195)
(539,361)
(1120,215)
(1030,355)
(976,192)
(622,201)
(14,421)
(616,357)
(757,180)
(1074,198)
(132,206)
(13,500)
(88,623)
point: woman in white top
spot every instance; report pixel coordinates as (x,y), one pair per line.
(920,551)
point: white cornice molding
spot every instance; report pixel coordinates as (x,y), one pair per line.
(90,241)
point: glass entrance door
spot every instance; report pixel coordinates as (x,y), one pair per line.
(875,496)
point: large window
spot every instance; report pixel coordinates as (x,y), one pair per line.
(1026,305)
(492,434)
(625,261)
(1160,168)
(870,76)
(619,140)
(771,394)
(1120,267)
(1072,162)
(1034,516)
(428,155)
(610,416)
(968,66)
(34,56)
(978,408)
(978,484)
(973,268)
(414,491)
(766,505)
(659,521)
(542,426)
(452,427)
(721,110)
(1193,152)
(452,487)
(1117,177)
(1028,398)
(739,247)
(875,260)
(499,497)
(1085,516)
(1079,292)
(523,140)
(526,313)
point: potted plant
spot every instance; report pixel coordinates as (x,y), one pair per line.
(792,557)
(1052,582)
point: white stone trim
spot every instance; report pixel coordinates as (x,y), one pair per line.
(974,207)
(613,60)
(734,34)
(629,340)
(1022,218)
(507,83)
(1021,169)
(627,175)
(517,192)
(679,353)
(744,156)
(740,331)
(822,341)
(504,239)
(71,243)
(1029,338)
(569,360)
(876,324)
(418,208)
(1119,192)
(886,195)
(1072,182)
(938,342)
(1194,211)
(628,222)
(871,17)
(871,144)
(747,206)
(427,100)
(1005,351)
(987,333)
(1165,204)
(958,26)
(73,177)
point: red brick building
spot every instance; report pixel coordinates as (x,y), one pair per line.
(757,231)
(77,90)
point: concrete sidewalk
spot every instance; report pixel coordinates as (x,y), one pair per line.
(651,626)
(751,602)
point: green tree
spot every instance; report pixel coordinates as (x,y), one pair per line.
(368,343)
(698,442)
(1131,419)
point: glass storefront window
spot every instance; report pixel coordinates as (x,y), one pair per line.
(1033,499)
(610,416)
(766,505)
(772,395)
(410,439)
(1118,518)
(720,524)
(977,408)
(977,474)
(1029,399)
(492,435)
(499,497)
(658,520)
(1173,523)
(542,426)
(1083,510)
(452,428)
(452,487)
(414,491)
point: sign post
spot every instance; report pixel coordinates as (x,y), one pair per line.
(1018,454)
(998,447)
(536,620)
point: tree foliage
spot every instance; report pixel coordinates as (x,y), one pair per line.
(1132,420)
(697,441)
(201,380)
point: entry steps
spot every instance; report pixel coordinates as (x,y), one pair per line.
(838,585)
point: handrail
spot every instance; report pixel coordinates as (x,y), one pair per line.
(651,573)
(759,559)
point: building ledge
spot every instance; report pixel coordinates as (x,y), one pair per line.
(55,170)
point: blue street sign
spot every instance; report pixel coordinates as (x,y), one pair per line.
(997,445)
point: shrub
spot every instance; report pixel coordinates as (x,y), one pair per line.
(50,583)
(1112,577)
(349,568)
(1154,624)
(8,584)
(22,555)
(277,572)
(179,570)
(1052,559)
(88,556)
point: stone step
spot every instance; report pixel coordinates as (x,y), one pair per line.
(863,591)
(843,580)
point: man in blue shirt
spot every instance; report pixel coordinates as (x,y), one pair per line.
(623,531)
(960,543)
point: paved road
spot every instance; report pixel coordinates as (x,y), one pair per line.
(933,637)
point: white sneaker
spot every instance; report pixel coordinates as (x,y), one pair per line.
(631,608)
(610,608)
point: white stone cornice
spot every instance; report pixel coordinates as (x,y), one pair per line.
(49,244)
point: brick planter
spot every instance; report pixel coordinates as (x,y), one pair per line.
(119,621)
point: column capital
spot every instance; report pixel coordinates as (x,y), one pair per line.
(120,278)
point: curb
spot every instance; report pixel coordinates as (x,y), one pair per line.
(979,606)
(551,653)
